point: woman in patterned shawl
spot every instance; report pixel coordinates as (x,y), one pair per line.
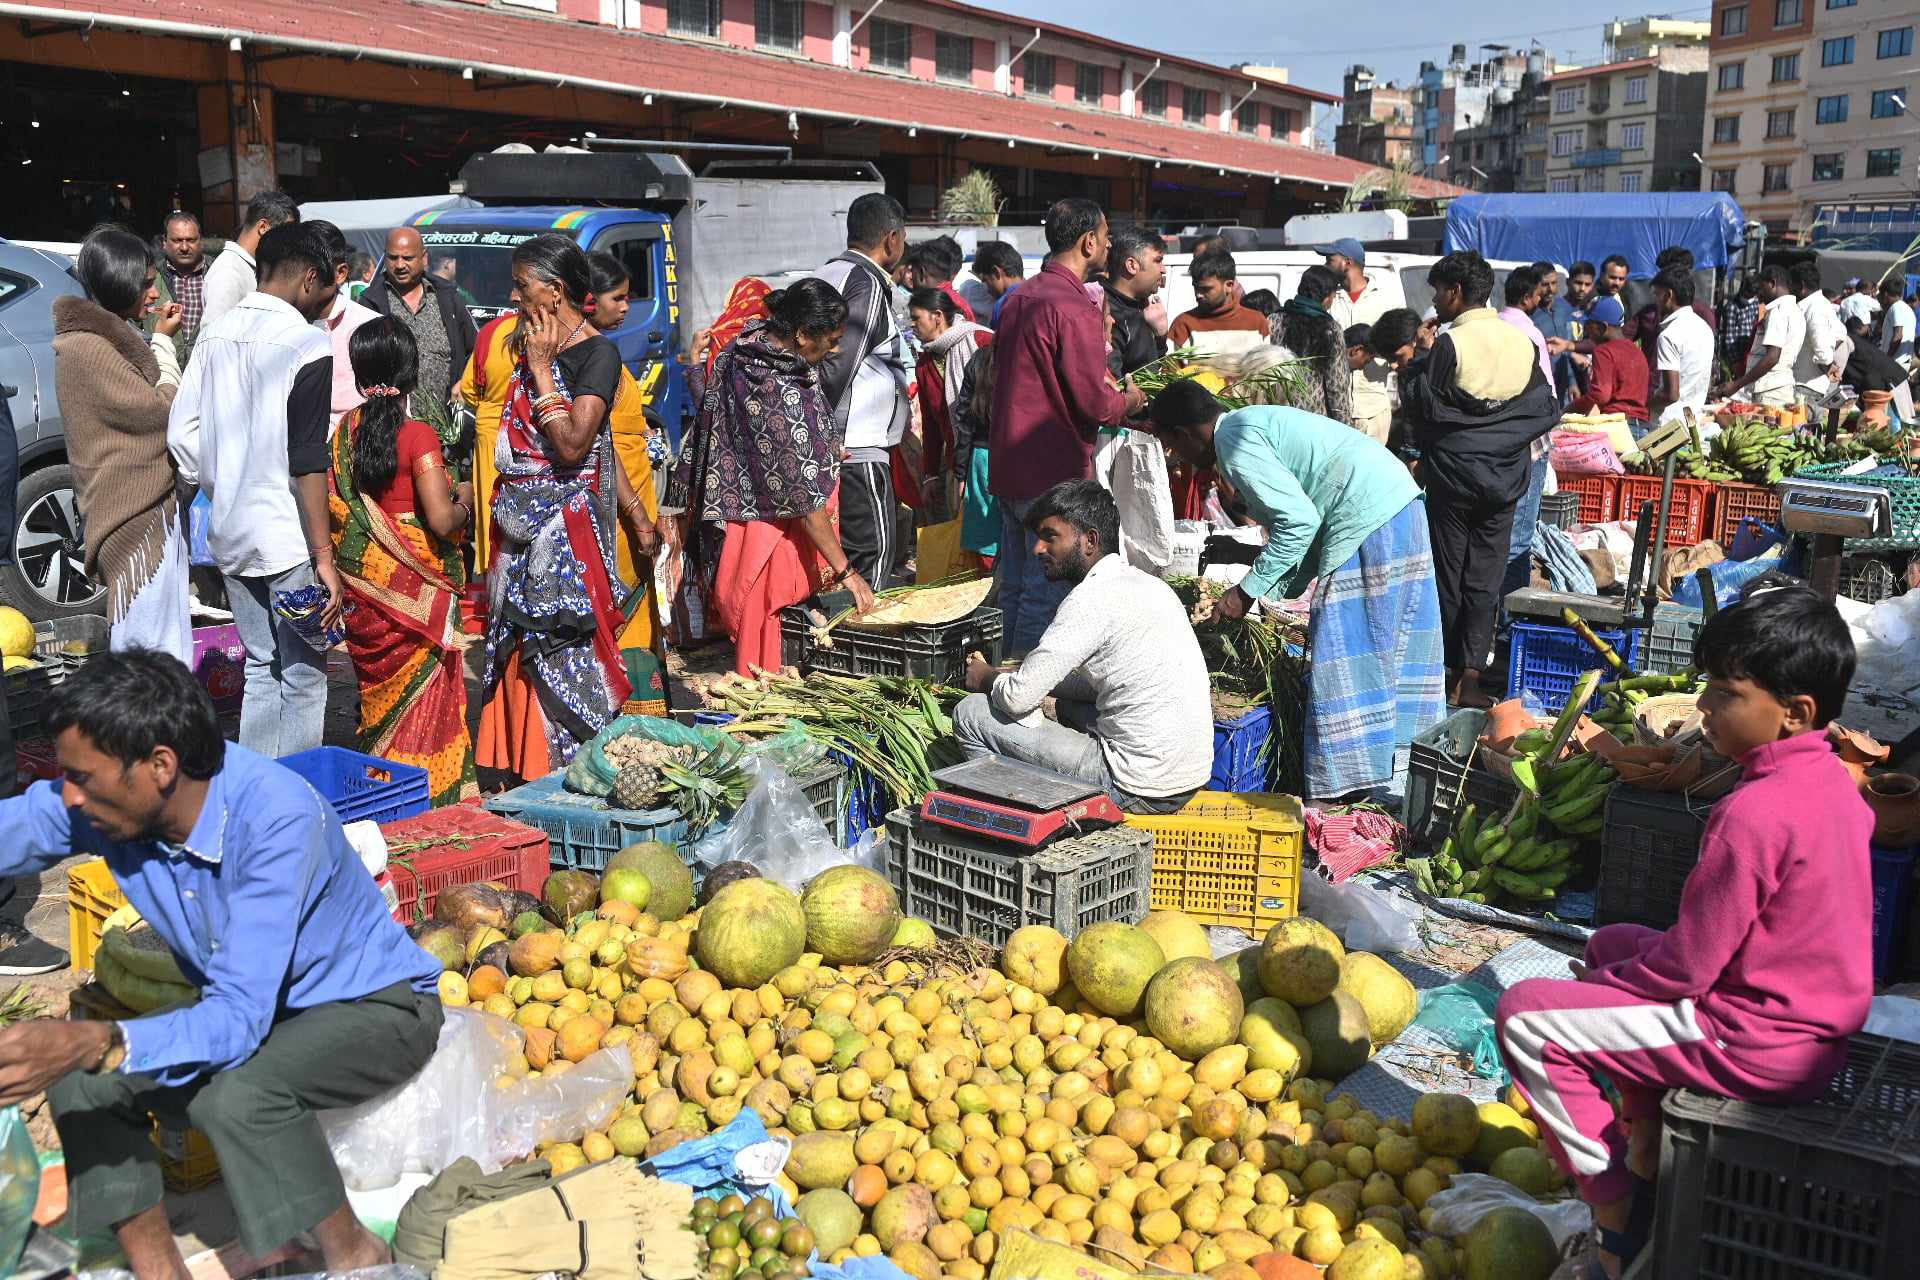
(758,475)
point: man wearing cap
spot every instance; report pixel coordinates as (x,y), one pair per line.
(1859,302)
(1361,301)
(1617,375)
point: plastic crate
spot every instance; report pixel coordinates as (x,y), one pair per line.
(982,889)
(1229,860)
(1561,510)
(1649,843)
(1668,647)
(1892,895)
(187,1162)
(585,831)
(1827,1189)
(469,845)
(1440,781)
(63,645)
(28,691)
(1240,755)
(35,762)
(1546,659)
(1871,578)
(92,896)
(360,786)
(1734,502)
(1686,517)
(1599,496)
(1902,489)
(220,665)
(928,652)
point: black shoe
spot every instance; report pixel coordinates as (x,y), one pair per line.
(23,955)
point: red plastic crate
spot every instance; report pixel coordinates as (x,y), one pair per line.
(1599,495)
(36,761)
(474,607)
(1686,521)
(494,848)
(1734,502)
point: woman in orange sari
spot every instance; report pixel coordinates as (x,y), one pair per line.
(398,526)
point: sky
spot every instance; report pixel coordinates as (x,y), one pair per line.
(1391,36)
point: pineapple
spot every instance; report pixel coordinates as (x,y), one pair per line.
(637,786)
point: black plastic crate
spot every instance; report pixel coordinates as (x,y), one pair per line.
(928,652)
(1440,782)
(984,889)
(1649,843)
(1828,1189)
(1561,510)
(28,692)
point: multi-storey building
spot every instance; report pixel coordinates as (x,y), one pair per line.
(1376,120)
(1452,98)
(1627,126)
(1858,125)
(1757,128)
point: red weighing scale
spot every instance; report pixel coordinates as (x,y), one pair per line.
(1016,803)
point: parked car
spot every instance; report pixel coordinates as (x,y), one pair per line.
(43,577)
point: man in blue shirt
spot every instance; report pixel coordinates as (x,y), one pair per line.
(311,996)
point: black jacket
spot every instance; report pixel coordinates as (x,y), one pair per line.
(453,314)
(1473,449)
(1871,369)
(1135,344)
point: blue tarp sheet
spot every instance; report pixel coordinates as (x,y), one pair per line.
(1586,228)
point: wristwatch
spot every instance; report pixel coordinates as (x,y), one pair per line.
(115,1054)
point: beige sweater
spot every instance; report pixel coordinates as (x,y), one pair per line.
(114,401)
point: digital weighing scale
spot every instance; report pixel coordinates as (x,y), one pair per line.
(1017,803)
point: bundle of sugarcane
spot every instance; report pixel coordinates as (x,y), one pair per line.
(1262,375)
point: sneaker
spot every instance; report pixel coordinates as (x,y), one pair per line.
(22,955)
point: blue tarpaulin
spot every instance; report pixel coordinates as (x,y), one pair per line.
(1587,227)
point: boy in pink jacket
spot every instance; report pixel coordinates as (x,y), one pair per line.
(1754,990)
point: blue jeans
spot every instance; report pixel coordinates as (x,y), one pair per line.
(286,699)
(1520,546)
(1027,600)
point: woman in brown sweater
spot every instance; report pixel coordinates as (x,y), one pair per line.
(116,387)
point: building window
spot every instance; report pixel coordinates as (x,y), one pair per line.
(1636,89)
(953,57)
(1153,98)
(693,17)
(1566,142)
(1723,180)
(1780,123)
(1633,137)
(1726,128)
(1193,105)
(1089,83)
(1630,182)
(1830,167)
(1897,43)
(1733,22)
(1787,12)
(1830,110)
(889,44)
(1840,4)
(1563,101)
(1536,166)
(1562,184)
(1776,178)
(1247,119)
(1283,122)
(1786,66)
(1596,180)
(1733,76)
(777,23)
(1837,52)
(1886,104)
(1037,71)
(1883,162)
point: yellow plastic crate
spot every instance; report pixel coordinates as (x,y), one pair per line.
(187,1162)
(1228,859)
(92,896)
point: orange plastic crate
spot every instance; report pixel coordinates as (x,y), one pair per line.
(1228,859)
(1599,495)
(1733,502)
(1686,518)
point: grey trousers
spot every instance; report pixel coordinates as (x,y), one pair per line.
(1062,746)
(259,1116)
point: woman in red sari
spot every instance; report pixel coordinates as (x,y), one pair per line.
(398,530)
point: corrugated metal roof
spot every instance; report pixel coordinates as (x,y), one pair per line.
(498,42)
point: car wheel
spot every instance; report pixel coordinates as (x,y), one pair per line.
(44,578)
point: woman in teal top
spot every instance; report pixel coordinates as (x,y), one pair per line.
(1344,518)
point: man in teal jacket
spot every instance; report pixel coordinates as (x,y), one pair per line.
(1344,519)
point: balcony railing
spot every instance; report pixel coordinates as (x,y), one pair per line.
(1596,157)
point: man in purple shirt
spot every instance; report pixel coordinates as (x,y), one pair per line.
(311,997)
(1052,393)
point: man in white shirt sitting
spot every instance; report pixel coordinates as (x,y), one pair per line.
(1776,347)
(1120,660)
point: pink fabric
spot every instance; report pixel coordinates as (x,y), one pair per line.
(346,316)
(1349,843)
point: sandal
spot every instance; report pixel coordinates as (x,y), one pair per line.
(1627,1245)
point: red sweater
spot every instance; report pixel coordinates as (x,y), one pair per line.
(1774,944)
(1618,381)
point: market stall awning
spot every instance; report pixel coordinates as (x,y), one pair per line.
(496,43)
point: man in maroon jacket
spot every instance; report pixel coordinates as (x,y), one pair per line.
(1052,393)
(1617,375)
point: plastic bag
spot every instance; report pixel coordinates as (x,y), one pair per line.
(742,1157)
(1132,466)
(777,830)
(592,774)
(199,526)
(1462,1016)
(938,555)
(1366,918)
(1730,578)
(19,1187)
(1472,1196)
(442,1114)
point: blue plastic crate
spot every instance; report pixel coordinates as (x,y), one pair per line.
(1240,756)
(1546,659)
(585,831)
(1892,888)
(361,786)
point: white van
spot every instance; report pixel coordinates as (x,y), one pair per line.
(1402,277)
